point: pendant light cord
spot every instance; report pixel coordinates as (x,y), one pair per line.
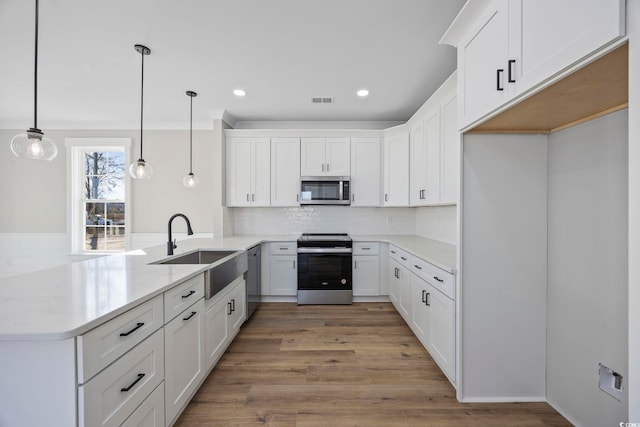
(35,74)
(141,101)
(191,137)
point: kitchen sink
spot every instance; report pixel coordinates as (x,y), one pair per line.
(234,264)
(198,257)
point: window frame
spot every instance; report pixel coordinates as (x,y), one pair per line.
(76,222)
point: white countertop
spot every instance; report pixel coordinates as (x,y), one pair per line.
(66,301)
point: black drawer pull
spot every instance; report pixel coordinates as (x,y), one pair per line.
(193,313)
(498,78)
(366,249)
(229,307)
(424,296)
(135,328)
(512,72)
(126,389)
(393,252)
(403,258)
(189,294)
(284,249)
(233,305)
(427,299)
(417,266)
(438,279)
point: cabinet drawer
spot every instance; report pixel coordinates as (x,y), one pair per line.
(436,277)
(284,248)
(150,412)
(403,257)
(366,248)
(177,299)
(111,396)
(100,346)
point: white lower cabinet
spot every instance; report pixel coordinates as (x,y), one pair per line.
(184,358)
(366,269)
(433,323)
(112,395)
(151,412)
(283,269)
(424,295)
(224,314)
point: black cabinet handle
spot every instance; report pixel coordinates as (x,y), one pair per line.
(424,296)
(233,305)
(403,258)
(126,389)
(417,266)
(193,313)
(427,299)
(438,279)
(511,71)
(189,294)
(229,307)
(393,252)
(499,78)
(135,328)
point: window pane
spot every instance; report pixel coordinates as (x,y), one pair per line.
(94,239)
(94,213)
(114,239)
(104,175)
(115,214)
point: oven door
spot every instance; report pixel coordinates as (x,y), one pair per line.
(324,271)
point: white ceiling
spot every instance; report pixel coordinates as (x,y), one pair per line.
(282,52)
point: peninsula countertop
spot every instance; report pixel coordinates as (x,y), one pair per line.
(67,301)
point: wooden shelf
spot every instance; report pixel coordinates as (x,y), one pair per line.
(599,88)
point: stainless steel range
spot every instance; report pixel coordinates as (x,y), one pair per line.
(324,269)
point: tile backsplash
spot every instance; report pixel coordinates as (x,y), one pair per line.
(323,219)
(438,222)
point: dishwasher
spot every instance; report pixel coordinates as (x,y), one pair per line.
(254,280)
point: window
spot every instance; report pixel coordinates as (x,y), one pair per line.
(99,182)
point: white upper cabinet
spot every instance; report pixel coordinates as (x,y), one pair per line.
(325,157)
(482,58)
(449,150)
(508,47)
(365,172)
(435,149)
(285,171)
(418,167)
(248,172)
(555,34)
(396,169)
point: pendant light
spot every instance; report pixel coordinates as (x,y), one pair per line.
(190,180)
(141,169)
(33,144)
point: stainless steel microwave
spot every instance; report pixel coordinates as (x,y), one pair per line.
(325,190)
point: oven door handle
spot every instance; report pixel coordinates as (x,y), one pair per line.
(325,250)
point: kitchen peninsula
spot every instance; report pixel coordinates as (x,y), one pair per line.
(46,317)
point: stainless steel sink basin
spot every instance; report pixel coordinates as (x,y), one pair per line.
(198,257)
(219,276)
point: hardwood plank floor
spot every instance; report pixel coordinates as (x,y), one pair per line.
(357,365)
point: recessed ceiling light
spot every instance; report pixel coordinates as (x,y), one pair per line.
(362,93)
(239,92)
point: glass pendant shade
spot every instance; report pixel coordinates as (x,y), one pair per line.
(140,170)
(190,180)
(33,145)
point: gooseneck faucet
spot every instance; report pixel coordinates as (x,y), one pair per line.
(171,243)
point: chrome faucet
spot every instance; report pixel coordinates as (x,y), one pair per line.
(171,244)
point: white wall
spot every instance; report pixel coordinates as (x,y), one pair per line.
(633,30)
(503,267)
(587,270)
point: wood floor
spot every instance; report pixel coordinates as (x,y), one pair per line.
(356,365)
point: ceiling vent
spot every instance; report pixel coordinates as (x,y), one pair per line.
(322,100)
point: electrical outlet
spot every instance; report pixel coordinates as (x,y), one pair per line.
(610,382)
